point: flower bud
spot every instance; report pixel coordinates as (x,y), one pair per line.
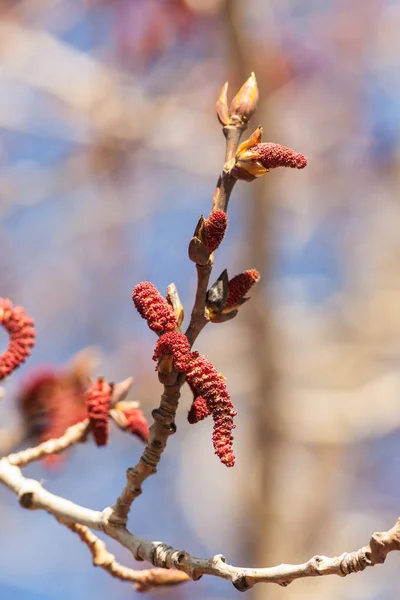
(244,103)
(154,308)
(255,158)
(21,332)
(238,288)
(205,382)
(214,229)
(98,402)
(198,251)
(129,417)
(222,106)
(175,302)
(198,410)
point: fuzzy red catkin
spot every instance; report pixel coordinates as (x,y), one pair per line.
(98,400)
(198,410)
(21,330)
(239,285)
(137,423)
(215,227)
(176,344)
(205,381)
(153,308)
(272,156)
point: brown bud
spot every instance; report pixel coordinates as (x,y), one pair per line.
(175,302)
(222,106)
(244,103)
(198,251)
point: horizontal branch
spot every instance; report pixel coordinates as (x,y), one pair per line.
(33,496)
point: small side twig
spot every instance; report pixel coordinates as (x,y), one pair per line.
(144,579)
(73,435)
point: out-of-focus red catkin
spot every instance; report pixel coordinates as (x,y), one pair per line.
(206,382)
(51,401)
(239,285)
(215,226)
(198,411)
(136,423)
(21,330)
(175,344)
(98,401)
(152,307)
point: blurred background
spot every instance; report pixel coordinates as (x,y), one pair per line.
(109,153)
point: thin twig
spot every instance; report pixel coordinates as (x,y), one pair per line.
(33,496)
(144,579)
(225,185)
(163,426)
(74,434)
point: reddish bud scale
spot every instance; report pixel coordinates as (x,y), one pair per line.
(272,156)
(153,308)
(240,285)
(137,423)
(215,227)
(176,344)
(98,400)
(205,381)
(21,330)
(198,411)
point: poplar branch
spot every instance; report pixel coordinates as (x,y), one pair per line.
(33,496)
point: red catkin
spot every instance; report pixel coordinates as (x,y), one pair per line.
(239,285)
(153,308)
(198,410)
(205,381)
(215,227)
(98,400)
(175,344)
(21,332)
(137,423)
(272,156)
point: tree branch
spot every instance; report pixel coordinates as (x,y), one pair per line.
(33,496)
(162,428)
(225,185)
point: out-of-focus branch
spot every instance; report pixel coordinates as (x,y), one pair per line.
(33,496)
(73,435)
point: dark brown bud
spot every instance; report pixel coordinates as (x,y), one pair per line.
(218,293)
